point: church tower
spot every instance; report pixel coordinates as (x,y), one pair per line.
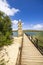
(20,32)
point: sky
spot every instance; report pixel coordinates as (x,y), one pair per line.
(30,12)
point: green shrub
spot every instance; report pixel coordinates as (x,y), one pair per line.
(5,29)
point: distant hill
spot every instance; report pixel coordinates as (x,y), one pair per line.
(32,30)
(29,30)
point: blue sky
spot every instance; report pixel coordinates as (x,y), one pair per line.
(29,11)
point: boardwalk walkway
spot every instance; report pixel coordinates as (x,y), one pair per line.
(30,54)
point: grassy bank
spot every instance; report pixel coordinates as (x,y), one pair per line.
(39,36)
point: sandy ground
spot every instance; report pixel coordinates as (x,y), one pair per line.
(10,53)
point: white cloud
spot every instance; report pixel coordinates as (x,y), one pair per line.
(33,26)
(14,27)
(24,26)
(5,7)
(14,22)
(38,26)
(23,23)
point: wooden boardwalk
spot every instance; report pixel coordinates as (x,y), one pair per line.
(30,55)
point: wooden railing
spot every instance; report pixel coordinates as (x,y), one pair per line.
(18,61)
(35,41)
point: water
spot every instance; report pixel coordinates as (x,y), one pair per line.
(15,34)
(29,33)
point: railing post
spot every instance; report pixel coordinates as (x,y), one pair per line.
(21,52)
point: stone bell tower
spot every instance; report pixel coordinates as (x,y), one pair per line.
(20,32)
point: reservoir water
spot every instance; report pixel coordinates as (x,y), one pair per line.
(15,34)
(29,33)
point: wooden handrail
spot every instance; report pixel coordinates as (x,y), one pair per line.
(35,42)
(18,61)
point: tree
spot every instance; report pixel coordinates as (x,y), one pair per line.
(5,29)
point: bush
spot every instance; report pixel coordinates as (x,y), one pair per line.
(5,29)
